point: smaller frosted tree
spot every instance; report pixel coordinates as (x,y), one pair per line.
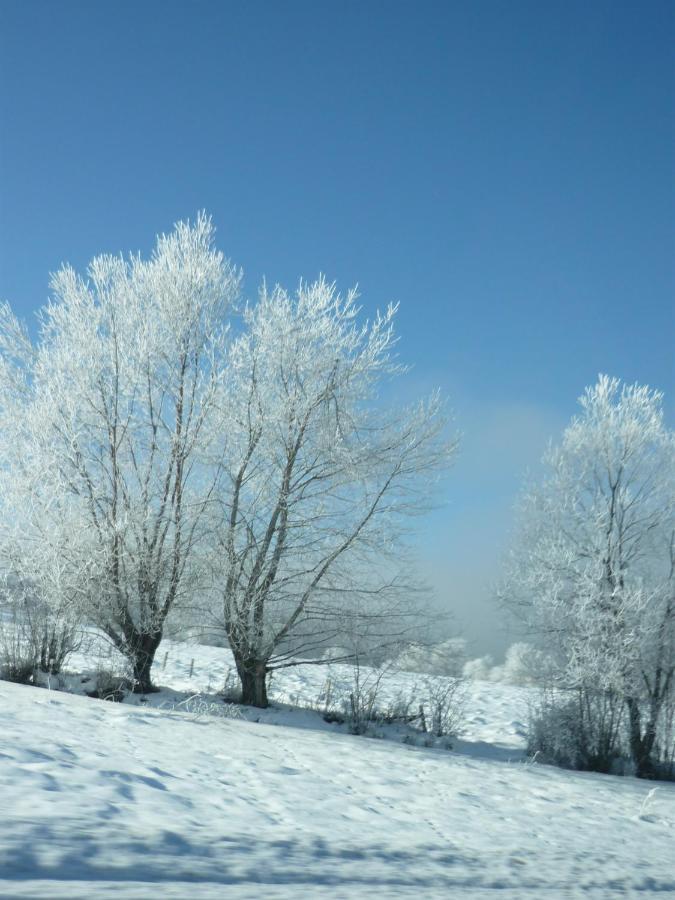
(40,589)
(478,669)
(593,574)
(523,664)
(319,477)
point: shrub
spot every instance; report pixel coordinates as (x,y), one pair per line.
(57,642)
(19,649)
(34,635)
(360,704)
(111,685)
(231,687)
(356,703)
(578,730)
(443,707)
(21,670)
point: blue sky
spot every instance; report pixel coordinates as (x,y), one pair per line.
(503,169)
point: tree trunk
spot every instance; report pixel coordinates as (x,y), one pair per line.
(253,677)
(142,660)
(641,746)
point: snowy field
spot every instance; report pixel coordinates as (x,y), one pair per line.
(130,800)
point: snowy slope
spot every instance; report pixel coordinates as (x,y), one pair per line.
(105,800)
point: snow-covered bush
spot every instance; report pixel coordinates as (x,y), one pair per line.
(442,706)
(111,684)
(35,636)
(231,692)
(40,620)
(19,652)
(580,729)
(434,706)
(360,705)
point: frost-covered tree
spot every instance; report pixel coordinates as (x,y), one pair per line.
(40,618)
(319,477)
(593,572)
(447,657)
(524,664)
(479,669)
(105,459)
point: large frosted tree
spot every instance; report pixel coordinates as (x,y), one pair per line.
(593,571)
(109,415)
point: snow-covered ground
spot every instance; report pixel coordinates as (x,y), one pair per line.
(130,800)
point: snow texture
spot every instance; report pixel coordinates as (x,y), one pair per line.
(129,801)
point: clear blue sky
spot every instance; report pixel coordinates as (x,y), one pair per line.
(504,169)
